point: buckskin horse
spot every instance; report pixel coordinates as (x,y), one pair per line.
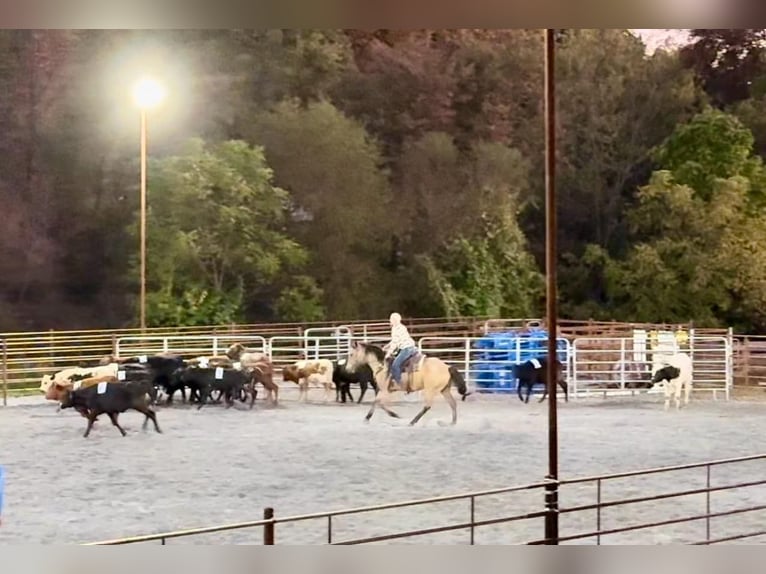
(419,373)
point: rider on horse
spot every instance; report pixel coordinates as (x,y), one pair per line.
(401,347)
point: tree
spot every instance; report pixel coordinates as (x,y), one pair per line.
(216,233)
(340,201)
(486,269)
(713,145)
(726,62)
(615,104)
(490,273)
(696,228)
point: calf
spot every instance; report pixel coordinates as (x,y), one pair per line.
(231,383)
(303,371)
(263,372)
(343,377)
(677,374)
(535,371)
(57,390)
(110,398)
(162,368)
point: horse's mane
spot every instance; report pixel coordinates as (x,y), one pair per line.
(377,351)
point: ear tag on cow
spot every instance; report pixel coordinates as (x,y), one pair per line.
(342,362)
(142,359)
(238,365)
(204,363)
(535,363)
(101,388)
(219,373)
(77,385)
(120,375)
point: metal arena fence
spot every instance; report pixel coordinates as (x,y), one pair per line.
(593,364)
(698,504)
(29,356)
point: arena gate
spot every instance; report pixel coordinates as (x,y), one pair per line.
(616,366)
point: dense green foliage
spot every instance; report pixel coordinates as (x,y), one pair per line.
(298,175)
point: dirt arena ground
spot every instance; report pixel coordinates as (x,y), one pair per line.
(219,466)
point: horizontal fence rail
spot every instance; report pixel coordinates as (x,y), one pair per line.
(29,356)
(187,345)
(574,517)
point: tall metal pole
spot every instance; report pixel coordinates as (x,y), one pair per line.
(143,220)
(551,494)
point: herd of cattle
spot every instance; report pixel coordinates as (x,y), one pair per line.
(116,385)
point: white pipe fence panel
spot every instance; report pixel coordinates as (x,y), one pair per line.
(187,346)
(491,369)
(618,366)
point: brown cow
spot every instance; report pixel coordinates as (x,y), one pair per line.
(303,371)
(263,372)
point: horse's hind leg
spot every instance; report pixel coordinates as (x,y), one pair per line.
(447,393)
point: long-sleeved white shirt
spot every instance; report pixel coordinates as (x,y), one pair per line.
(400,339)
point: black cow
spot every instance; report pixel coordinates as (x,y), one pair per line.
(162,368)
(112,399)
(232,383)
(343,378)
(535,371)
(140,375)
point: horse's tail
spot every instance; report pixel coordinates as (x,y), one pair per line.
(458,381)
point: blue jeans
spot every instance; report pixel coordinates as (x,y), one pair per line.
(396,367)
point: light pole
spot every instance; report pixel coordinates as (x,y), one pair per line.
(147,94)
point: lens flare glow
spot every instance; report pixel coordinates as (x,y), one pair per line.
(148,94)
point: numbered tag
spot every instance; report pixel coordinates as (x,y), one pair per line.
(238,365)
(203,362)
(535,363)
(142,359)
(219,373)
(121,375)
(342,362)
(101,389)
(77,385)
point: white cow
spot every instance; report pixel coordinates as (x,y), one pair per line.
(677,374)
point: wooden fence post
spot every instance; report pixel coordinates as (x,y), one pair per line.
(5,372)
(268,529)
(745,358)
